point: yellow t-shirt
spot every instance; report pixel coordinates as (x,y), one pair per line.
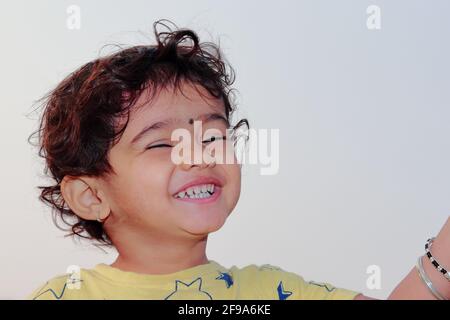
(208,281)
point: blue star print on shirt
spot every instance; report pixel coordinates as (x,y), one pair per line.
(226,277)
(282,295)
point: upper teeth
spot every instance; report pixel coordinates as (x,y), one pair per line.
(199,191)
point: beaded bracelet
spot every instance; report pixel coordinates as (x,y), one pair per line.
(434,261)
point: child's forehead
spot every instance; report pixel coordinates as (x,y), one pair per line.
(182,104)
(185,93)
(170,109)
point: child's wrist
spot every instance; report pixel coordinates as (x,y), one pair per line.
(440,251)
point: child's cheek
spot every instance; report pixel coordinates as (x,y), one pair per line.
(233,186)
(142,192)
(151,176)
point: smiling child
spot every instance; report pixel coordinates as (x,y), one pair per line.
(106,134)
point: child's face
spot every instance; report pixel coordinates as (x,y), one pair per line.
(141,193)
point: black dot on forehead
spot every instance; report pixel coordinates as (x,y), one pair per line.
(191,121)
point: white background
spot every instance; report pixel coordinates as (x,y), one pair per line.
(363,116)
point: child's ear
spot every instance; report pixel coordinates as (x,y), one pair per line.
(84,198)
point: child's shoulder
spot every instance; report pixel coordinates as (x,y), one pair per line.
(264,272)
(60,287)
(52,289)
(260,270)
(273,280)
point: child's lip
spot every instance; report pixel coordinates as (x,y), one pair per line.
(200,181)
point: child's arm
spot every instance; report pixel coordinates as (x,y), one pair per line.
(412,287)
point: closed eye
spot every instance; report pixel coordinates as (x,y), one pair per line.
(212,139)
(162,145)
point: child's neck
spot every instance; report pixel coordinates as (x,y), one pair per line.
(161,257)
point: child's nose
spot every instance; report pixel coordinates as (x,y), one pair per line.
(197,157)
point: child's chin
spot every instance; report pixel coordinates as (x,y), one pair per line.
(202,225)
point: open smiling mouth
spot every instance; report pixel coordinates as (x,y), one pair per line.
(197,192)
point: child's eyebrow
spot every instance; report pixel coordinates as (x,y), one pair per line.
(205,118)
